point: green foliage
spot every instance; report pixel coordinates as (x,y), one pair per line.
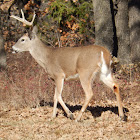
(60,9)
(78,11)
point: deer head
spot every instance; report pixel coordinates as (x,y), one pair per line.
(26,42)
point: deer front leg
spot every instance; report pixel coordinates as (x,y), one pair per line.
(58,91)
(55,104)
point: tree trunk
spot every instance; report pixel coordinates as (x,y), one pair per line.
(103,23)
(2,53)
(134,24)
(123,32)
(2,50)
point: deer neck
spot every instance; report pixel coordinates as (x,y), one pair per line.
(40,52)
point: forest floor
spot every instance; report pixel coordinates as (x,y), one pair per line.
(24,118)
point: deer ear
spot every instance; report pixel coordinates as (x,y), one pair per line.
(34,32)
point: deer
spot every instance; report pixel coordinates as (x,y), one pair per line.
(66,63)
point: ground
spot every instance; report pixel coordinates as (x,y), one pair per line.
(26,118)
(36,123)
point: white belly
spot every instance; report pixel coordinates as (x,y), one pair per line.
(72,77)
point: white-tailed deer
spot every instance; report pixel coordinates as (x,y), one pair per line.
(70,63)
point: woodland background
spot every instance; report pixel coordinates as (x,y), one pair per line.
(114,24)
(26,92)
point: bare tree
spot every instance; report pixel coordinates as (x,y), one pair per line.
(2,49)
(123,32)
(103,23)
(2,52)
(134,23)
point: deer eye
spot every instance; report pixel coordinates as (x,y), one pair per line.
(22,40)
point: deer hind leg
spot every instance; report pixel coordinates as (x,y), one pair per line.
(86,84)
(58,98)
(108,80)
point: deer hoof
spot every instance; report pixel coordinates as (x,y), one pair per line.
(71,116)
(123,118)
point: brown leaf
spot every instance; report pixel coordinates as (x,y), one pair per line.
(75,26)
(6,5)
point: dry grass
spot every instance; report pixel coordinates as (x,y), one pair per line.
(26,99)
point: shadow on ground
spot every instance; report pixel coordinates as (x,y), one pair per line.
(95,111)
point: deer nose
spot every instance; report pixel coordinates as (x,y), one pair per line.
(14,49)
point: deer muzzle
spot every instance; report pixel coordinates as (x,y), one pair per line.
(15,50)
